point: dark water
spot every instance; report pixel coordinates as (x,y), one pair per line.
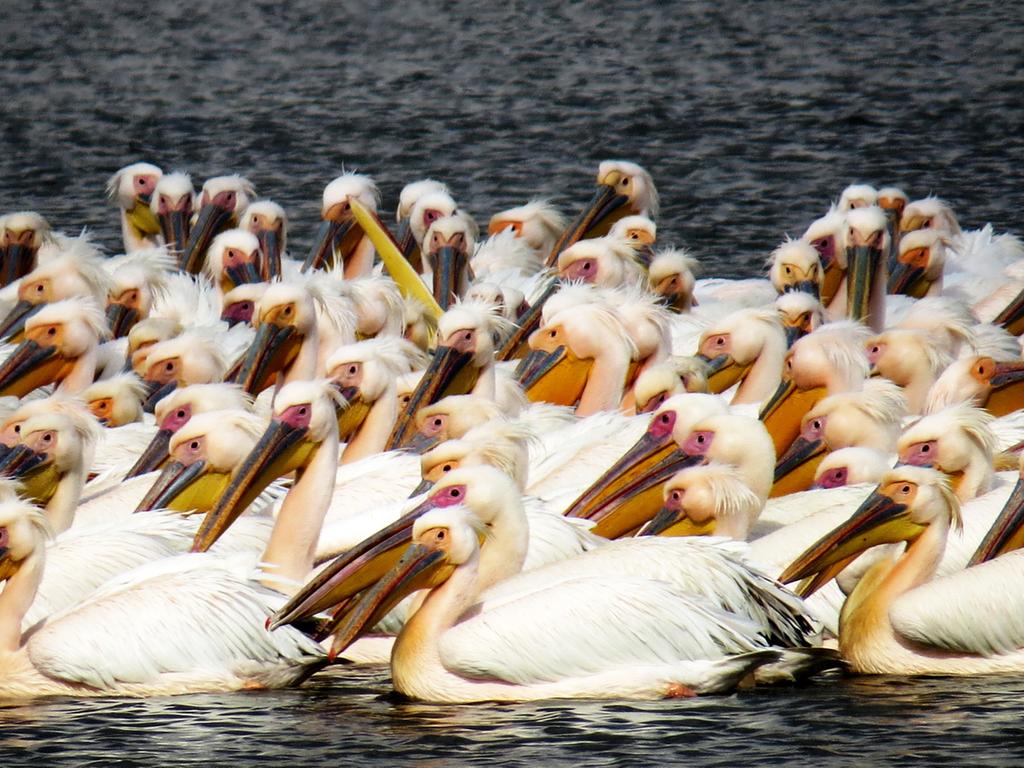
(750,117)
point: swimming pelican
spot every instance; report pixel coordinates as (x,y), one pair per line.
(172,203)
(867,242)
(136,281)
(234,258)
(857,196)
(910,358)
(341,242)
(446,248)
(132,189)
(672,276)
(192,357)
(21,235)
(827,235)
(268,221)
(746,348)
(603,261)
(901,619)
(800,313)
(221,202)
(855,465)
(796,266)
(708,500)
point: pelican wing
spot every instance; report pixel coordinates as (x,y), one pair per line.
(580,626)
(188,616)
(978,611)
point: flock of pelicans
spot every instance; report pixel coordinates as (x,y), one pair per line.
(545,463)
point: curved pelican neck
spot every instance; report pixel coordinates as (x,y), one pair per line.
(81,374)
(18,594)
(487,382)
(60,509)
(360,263)
(605,384)
(765,374)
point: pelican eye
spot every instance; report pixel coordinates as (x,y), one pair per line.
(194,445)
(17,428)
(180,414)
(437,422)
(168,366)
(51,331)
(39,289)
(446,468)
(302,411)
(47,437)
(440,535)
(455,493)
(905,489)
(5,537)
(925,448)
(676,496)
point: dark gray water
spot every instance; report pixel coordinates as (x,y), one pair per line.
(750,116)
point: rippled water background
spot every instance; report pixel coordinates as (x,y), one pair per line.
(750,116)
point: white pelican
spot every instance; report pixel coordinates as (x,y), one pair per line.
(221,202)
(132,189)
(851,466)
(268,221)
(674,376)
(827,235)
(341,242)
(603,261)
(407,199)
(910,358)
(747,348)
(446,248)
(857,196)
(59,347)
(172,203)
(800,313)
(901,619)
(672,275)
(234,258)
(193,357)
(708,500)
(867,242)
(116,401)
(136,281)
(378,304)
(796,266)
(22,233)
(538,224)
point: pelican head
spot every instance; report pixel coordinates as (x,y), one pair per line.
(304,418)
(75,269)
(957,441)
(132,189)
(116,401)
(172,203)
(629,492)
(496,443)
(867,240)
(413,191)
(339,234)
(829,360)
(419,323)
(851,466)
(602,261)
(919,264)
(993,381)
(827,236)
(24,531)
(739,441)
(136,280)
(59,347)
(796,266)
(658,382)
(202,457)
(892,200)
(239,304)
(672,276)
(929,213)
(21,235)
(427,209)
(379,307)
(707,500)
(446,248)
(911,358)
(949,323)
(233,258)
(221,202)
(191,358)
(143,335)
(507,301)
(734,347)
(869,418)
(623,188)
(857,196)
(639,233)
(465,352)
(907,501)
(176,409)
(800,313)
(268,221)
(538,224)
(580,355)
(450,418)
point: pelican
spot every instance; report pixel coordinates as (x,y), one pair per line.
(989,376)
(378,304)
(451,417)
(446,248)
(132,189)
(867,241)
(603,261)
(21,235)
(796,265)
(919,265)
(172,203)
(901,619)
(910,358)
(235,258)
(747,347)
(268,221)
(827,235)
(708,500)
(341,242)
(407,199)
(136,281)
(239,304)
(59,348)
(538,224)
(622,188)
(192,357)
(221,203)
(672,275)
(676,375)
(855,465)
(116,401)
(800,313)
(857,196)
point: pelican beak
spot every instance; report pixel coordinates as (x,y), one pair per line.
(121,318)
(450,373)
(157,391)
(450,264)
(247,272)
(351,572)
(1012,316)
(794,471)
(553,376)
(185,488)
(331,242)
(722,372)
(19,459)
(420,567)
(793,334)
(273,348)
(424,486)
(517,344)
(141,217)
(783,412)
(628,494)
(36,473)
(673,521)
(1007,388)
(30,366)
(912,224)
(862,261)
(16,261)
(878,520)
(211,221)
(174,226)
(154,456)
(907,279)
(1007,532)
(14,323)
(597,216)
(407,245)
(351,416)
(270,244)
(283,448)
